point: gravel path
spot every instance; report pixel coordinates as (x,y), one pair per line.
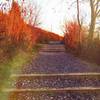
(50,60)
(58,62)
(57,82)
(57,96)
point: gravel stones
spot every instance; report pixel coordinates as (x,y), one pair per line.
(57,62)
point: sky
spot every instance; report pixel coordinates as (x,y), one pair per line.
(54,13)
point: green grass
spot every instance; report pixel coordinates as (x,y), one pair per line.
(14,65)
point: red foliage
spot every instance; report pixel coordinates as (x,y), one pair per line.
(72,36)
(15,26)
(3,22)
(19,32)
(15,22)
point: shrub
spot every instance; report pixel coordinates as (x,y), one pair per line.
(72,36)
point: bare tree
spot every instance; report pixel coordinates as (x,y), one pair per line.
(95,12)
(35,15)
(79,18)
(79,23)
(31,13)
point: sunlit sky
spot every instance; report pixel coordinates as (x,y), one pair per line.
(54,13)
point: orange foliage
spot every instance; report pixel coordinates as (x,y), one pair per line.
(45,36)
(19,32)
(15,22)
(72,34)
(3,23)
(15,26)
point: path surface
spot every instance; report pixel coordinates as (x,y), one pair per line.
(54,59)
(56,75)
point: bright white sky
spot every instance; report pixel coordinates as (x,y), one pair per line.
(54,13)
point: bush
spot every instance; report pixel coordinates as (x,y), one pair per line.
(72,35)
(15,32)
(87,50)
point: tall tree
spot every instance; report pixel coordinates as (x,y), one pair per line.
(79,23)
(78,14)
(95,12)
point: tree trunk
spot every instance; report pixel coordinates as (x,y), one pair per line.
(91,30)
(79,24)
(93,21)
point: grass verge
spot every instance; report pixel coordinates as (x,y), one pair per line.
(14,65)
